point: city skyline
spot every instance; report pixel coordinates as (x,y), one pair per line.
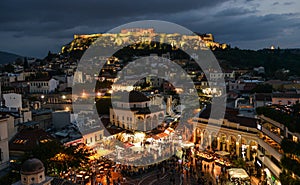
(33,28)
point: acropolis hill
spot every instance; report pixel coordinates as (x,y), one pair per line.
(82,42)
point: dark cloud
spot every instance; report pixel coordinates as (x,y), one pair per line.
(288,3)
(33,27)
(234,12)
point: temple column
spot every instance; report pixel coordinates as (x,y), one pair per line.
(248,152)
(218,143)
(227,145)
(201,141)
(238,149)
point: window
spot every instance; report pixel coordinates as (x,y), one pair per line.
(91,139)
(1,155)
(32,179)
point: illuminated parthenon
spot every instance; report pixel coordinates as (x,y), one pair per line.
(142,35)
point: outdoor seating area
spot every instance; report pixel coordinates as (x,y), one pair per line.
(238,176)
(219,157)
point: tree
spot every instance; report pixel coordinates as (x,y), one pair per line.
(239,163)
(57,158)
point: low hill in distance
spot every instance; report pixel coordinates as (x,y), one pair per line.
(6,57)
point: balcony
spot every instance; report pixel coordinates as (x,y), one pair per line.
(272,149)
(269,164)
(272,135)
(275,123)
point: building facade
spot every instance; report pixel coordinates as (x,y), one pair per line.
(4,152)
(137,114)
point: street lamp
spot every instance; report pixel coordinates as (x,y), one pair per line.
(42,99)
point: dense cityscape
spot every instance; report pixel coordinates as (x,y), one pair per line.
(152,138)
(154,92)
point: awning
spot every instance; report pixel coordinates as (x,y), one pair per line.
(239,173)
(222,153)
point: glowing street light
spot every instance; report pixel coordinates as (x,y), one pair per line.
(84,95)
(63,97)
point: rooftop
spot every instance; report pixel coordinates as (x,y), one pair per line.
(29,138)
(232,116)
(132,96)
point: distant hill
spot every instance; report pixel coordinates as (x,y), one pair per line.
(272,60)
(6,57)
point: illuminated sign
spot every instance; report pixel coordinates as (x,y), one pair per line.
(258,162)
(258,126)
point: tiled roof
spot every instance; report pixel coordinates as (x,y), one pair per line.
(27,139)
(232,116)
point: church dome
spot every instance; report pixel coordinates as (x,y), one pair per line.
(32,166)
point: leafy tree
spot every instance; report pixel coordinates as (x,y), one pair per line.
(239,163)
(58,158)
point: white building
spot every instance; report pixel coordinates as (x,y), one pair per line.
(70,81)
(44,86)
(4,152)
(13,100)
(92,136)
(213,76)
(78,77)
(133,111)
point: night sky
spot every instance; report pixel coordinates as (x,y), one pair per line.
(32,28)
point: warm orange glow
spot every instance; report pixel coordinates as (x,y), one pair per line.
(110,91)
(83,95)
